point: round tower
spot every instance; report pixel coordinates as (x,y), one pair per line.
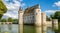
(20,17)
(37,13)
(43,20)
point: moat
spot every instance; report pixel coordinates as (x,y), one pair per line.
(14,29)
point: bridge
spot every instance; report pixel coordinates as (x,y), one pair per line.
(5,22)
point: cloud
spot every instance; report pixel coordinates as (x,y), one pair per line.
(12,15)
(13,7)
(50,11)
(57,4)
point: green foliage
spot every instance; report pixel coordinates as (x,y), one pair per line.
(56,15)
(0,0)
(47,18)
(15,21)
(10,19)
(3,9)
(1,16)
(3,20)
(52,16)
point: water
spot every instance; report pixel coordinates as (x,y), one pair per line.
(14,29)
(9,28)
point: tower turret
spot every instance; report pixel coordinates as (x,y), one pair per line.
(20,17)
(37,6)
(20,10)
(37,13)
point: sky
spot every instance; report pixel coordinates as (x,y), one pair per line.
(47,6)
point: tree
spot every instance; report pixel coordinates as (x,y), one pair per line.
(3,20)
(48,19)
(3,9)
(10,19)
(52,16)
(56,15)
(15,21)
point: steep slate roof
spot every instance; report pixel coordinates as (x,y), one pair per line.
(30,10)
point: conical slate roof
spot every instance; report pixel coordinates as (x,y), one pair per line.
(20,9)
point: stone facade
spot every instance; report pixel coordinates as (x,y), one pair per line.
(20,17)
(33,15)
(49,23)
(43,18)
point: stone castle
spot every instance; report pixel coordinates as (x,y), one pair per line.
(33,15)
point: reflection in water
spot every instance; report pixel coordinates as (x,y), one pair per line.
(9,28)
(38,30)
(21,28)
(44,29)
(0,28)
(49,30)
(27,29)
(4,29)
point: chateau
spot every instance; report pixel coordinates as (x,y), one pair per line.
(33,15)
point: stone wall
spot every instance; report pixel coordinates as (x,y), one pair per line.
(43,22)
(49,23)
(37,16)
(20,17)
(55,23)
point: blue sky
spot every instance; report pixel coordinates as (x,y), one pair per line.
(48,6)
(45,4)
